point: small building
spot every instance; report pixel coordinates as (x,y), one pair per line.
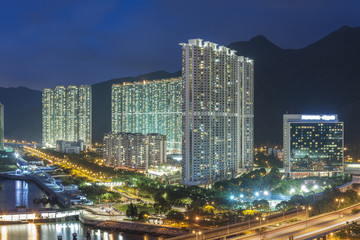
(71,147)
(71,187)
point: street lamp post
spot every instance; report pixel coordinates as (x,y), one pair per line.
(260,218)
(307,212)
(197,234)
(339,201)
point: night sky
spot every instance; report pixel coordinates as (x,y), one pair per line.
(61,42)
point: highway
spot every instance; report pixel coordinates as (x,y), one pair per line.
(305,230)
(302,230)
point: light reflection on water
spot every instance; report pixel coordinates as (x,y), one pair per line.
(49,231)
(16,193)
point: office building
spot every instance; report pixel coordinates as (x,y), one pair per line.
(149,107)
(1,127)
(217,119)
(313,145)
(66,113)
(134,150)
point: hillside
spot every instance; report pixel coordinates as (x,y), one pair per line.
(320,78)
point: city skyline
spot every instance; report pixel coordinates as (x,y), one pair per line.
(231,119)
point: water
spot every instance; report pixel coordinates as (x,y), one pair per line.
(50,231)
(15,193)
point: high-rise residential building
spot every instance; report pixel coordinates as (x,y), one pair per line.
(217,119)
(1,127)
(313,145)
(134,150)
(85,114)
(247,111)
(149,107)
(66,115)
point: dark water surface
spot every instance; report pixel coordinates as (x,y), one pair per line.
(15,193)
(50,231)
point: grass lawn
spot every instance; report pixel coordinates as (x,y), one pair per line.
(140,207)
(7,164)
(6,168)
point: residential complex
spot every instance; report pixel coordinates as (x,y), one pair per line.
(217,112)
(67,113)
(1,127)
(134,150)
(313,144)
(149,107)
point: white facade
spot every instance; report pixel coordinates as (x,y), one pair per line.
(217,112)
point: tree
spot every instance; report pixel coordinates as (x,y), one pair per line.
(282,205)
(209,209)
(143,216)
(351,232)
(250,213)
(162,206)
(175,215)
(262,205)
(131,211)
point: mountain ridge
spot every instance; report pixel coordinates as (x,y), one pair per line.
(320,78)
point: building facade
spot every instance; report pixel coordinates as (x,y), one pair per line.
(217,112)
(134,150)
(149,107)
(1,127)
(66,115)
(70,147)
(313,144)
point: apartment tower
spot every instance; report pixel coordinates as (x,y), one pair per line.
(149,106)
(67,113)
(217,112)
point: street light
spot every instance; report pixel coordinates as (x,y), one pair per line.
(261,218)
(197,234)
(307,210)
(339,201)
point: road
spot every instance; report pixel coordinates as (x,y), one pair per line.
(313,227)
(304,229)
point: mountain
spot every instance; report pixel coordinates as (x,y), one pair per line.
(320,78)
(22,113)
(323,77)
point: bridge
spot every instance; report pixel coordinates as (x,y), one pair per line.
(317,227)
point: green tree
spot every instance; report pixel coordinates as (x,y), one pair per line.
(143,216)
(131,211)
(175,215)
(352,232)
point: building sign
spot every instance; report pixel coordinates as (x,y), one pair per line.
(318,117)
